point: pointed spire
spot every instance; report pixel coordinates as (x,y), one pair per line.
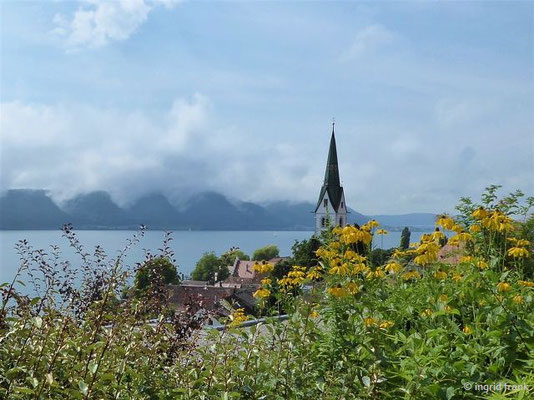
(331,176)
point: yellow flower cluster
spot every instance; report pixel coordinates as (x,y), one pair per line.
(339,268)
(427,251)
(411,275)
(377,273)
(426,313)
(295,277)
(482,264)
(238,317)
(263,267)
(445,221)
(503,287)
(262,293)
(393,267)
(494,221)
(370,322)
(526,283)
(466,259)
(440,274)
(350,234)
(337,291)
(520,248)
(314,273)
(467,330)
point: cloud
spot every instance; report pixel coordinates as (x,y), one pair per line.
(75,149)
(368,40)
(104,21)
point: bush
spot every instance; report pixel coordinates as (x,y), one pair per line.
(209,265)
(266,253)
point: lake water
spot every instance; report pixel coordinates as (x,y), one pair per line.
(188,246)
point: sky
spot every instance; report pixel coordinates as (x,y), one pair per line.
(432,100)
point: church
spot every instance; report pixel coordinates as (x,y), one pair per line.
(331,209)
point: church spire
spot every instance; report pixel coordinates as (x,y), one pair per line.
(331,176)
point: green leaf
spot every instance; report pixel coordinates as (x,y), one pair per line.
(83,387)
(92,367)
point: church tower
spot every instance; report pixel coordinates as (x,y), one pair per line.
(331,204)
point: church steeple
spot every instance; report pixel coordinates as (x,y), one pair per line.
(331,175)
(331,203)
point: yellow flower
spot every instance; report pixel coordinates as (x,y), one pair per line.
(445,221)
(448,308)
(353,287)
(393,267)
(457,277)
(518,299)
(381,232)
(377,273)
(526,283)
(519,242)
(438,235)
(263,267)
(370,321)
(262,293)
(475,228)
(335,245)
(466,259)
(266,281)
(337,291)
(314,314)
(238,317)
(411,275)
(480,213)
(373,223)
(444,298)
(386,324)
(340,269)
(440,275)
(427,312)
(482,264)
(503,287)
(360,267)
(457,228)
(518,252)
(314,273)
(467,330)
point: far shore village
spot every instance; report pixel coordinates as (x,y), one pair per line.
(236,291)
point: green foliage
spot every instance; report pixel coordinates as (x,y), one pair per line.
(159,270)
(405,238)
(394,337)
(209,265)
(303,252)
(229,257)
(380,256)
(266,253)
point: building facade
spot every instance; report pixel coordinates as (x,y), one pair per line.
(331,209)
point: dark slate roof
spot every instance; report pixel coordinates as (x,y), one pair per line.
(332,184)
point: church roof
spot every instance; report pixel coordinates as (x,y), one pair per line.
(332,184)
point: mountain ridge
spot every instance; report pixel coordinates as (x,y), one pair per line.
(33,209)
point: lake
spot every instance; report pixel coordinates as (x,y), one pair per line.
(188,246)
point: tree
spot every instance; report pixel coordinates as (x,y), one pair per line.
(156,271)
(405,238)
(266,253)
(304,252)
(230,256)
(209,265)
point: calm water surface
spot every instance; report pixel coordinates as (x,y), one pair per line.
(188,246)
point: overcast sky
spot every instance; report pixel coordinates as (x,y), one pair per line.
(432,101)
